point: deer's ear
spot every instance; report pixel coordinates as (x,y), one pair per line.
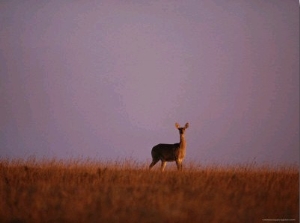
(177,125)
(187,125)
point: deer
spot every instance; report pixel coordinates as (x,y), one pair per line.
(170,152)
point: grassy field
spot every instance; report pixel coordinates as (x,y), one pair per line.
(57,191)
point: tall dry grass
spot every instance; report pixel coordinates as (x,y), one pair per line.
(76,191)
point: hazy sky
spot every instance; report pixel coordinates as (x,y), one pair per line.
(109,79)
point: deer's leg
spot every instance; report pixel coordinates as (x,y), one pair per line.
(154,161)
(179,164)
(163,165)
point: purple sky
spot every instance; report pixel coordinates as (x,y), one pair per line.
(109,79)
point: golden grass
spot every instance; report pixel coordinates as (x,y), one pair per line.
(86,191)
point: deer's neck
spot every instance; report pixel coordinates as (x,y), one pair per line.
(182,141)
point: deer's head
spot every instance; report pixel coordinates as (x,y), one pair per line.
(181,129)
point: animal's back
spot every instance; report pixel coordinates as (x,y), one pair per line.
(167,152)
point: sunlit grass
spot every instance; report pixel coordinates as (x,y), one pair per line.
(126,191)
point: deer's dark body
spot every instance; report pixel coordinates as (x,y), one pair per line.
(167,152)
